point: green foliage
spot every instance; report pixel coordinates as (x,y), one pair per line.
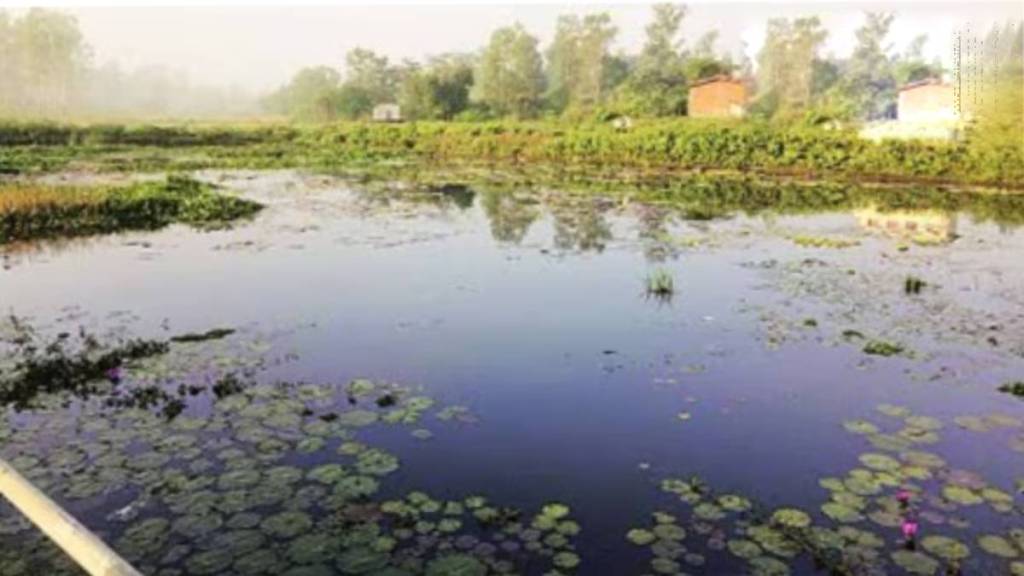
(656,85)
(58,212)
(786,61)
(578,61)
(438,92)
(770,147)
(868,79)
(509,76)
(312,94)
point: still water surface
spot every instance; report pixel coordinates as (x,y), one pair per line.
(528,309)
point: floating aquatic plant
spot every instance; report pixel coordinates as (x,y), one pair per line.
(883,348)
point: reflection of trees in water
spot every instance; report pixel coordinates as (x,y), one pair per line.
(458,194)
(581,224)
(652,223)
(510,215)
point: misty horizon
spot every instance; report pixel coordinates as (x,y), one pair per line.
(253,50)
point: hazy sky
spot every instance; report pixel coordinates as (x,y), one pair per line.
(258,47)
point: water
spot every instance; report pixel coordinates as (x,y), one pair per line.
(529,309)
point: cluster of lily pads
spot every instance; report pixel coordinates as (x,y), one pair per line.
(901,510)
(274,478)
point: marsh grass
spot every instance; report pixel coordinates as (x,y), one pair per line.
(31,211)
(660,284)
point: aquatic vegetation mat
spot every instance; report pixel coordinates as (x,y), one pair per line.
(34,211)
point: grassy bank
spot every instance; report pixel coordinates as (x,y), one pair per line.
(680,144)
(32,211)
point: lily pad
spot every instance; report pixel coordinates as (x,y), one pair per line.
(287,524)
(743,548)
(565,560)
(640,537)
(791,518)
(915,562)
(945,547)
(997,546)
(456,565)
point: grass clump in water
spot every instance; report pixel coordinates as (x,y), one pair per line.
(913,285)
(1013,389)
(30,212)
(660,284)
(883,348)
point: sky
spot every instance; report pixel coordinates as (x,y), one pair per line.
(258,47)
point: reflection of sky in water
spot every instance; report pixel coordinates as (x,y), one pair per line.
(577,378)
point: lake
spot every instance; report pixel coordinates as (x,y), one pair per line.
(473,379)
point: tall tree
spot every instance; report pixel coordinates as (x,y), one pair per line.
(786,62)
(868,79)
(370,73)
(704,62)
(312,94)
(911,65)
(657,83)
(47,56)
(438,91)
(579,63)
(509,76)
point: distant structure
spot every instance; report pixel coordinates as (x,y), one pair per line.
(925,110)
(928,100)
(622,123)
(720,96)
(387,113)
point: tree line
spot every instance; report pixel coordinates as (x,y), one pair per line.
(579,74)
(46,70)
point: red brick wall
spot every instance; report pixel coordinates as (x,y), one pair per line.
(717,99)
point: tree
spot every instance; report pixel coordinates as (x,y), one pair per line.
(911,66)
(370,74)
(43,60)
(312,94)
(786,62)
(868,80)
(439,91)
(703,62)
(657,83)
(509,77)
(578,61)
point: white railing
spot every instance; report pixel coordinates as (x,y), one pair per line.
(76,540)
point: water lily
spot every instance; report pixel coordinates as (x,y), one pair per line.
(114,375)
(909,528)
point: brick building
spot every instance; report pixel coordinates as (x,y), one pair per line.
(926,101)
(719,96)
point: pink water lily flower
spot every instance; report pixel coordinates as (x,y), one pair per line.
(903,496)
(114,374)
(909,528)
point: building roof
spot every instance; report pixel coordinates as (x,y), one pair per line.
(716,78)
(921,83)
